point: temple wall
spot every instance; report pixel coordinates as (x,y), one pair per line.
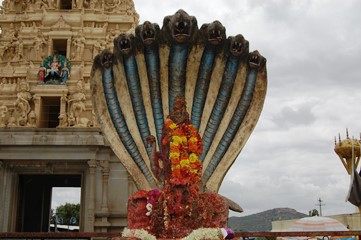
(42,131)
(105,183)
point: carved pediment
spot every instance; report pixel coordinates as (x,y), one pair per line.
(60,24)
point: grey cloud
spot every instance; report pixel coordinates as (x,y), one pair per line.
(289,117)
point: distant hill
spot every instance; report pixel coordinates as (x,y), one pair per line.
(262,222)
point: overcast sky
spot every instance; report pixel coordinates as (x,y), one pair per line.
(313,51)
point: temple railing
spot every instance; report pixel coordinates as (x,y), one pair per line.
(116,236)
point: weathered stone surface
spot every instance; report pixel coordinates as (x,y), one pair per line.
(48,126)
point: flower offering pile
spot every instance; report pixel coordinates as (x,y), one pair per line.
(178,209)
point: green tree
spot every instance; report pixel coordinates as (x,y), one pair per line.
(67,211)
(313,212)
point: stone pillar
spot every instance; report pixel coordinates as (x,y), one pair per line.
(63,117)
(105,172)
(104,214)
(37,102)
(91,206)
(68,46)
(131,185)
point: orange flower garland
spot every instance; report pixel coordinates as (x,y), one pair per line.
(185,145)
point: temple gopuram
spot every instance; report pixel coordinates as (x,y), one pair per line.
(49,136)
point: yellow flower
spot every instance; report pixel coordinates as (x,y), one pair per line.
(193,157)
(174,144)
(174,154)
(173,126)
(192,170)
(184,139)
(177,139)
(193,139)
(184,162)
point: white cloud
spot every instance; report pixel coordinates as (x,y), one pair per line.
(62,195)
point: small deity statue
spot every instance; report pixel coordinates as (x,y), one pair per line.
(12,119)
(78,4)
(110,39)
(54,71)
(79,43)
(63,121)
(97,48)
(22,104)
(38,45)
(41,74)
(6,4)
(18,45)
(20,49)
(4,115)
(65,74)
(76,105)
(181,147)
(31,119)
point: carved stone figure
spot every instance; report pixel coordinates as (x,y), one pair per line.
(8,51)
(110,38)
(11,32)
(6,4)
(22,104)
(76,105)
(79,43)
(96,49)
(31,119)
(78,4)
(12,119)
(18,45)
(38,45)
(4,116)
(180,27)
(63,120)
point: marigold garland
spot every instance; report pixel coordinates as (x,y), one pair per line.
(185,145)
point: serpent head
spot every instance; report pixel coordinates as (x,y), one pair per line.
(124,43)
(238,46)
(180,26)
(256,60)
(147,32)
(214,33)
(106,58)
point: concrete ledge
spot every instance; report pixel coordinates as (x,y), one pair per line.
(42,136)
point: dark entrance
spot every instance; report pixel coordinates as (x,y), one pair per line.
(35,199)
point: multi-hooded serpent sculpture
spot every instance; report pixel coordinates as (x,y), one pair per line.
(134,90)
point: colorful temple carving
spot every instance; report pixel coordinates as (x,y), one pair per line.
(49,135)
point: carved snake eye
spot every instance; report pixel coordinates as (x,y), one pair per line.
(124,44)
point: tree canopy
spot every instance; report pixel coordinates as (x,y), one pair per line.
(66,212)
